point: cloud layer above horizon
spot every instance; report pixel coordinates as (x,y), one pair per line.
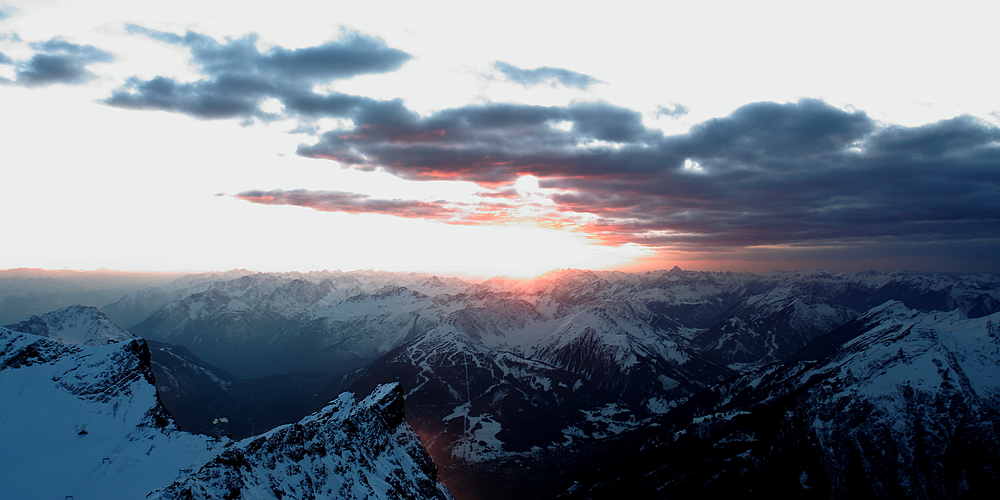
(799,174)
(774,178)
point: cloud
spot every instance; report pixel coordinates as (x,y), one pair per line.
(788,176)
(801,174)
(238,77)
(485,143)
(672,111)
(554,76)
(487,212)
(354,203)
(56,61)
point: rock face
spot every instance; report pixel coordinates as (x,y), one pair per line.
(85,421)
(906,409)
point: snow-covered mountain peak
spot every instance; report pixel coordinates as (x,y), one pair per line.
(348,449)
(83,325)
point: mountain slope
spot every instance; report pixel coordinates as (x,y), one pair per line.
(520,375)
(907,409)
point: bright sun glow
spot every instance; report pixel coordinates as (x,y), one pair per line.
(526,250)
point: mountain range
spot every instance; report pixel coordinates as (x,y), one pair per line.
(906,408)
(510,383)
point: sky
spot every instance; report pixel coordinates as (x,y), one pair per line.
(499,138)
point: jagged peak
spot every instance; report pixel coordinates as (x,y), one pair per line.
(387,400)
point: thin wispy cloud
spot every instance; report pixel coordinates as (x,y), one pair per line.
(545,74)
(513,207)
(353,203)
(673,110)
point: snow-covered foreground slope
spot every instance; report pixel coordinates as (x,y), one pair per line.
(85,422)
(906,409)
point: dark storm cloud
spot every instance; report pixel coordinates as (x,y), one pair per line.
(486,143)
(238,77)
(553,76)
(56,61)
(767,174)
